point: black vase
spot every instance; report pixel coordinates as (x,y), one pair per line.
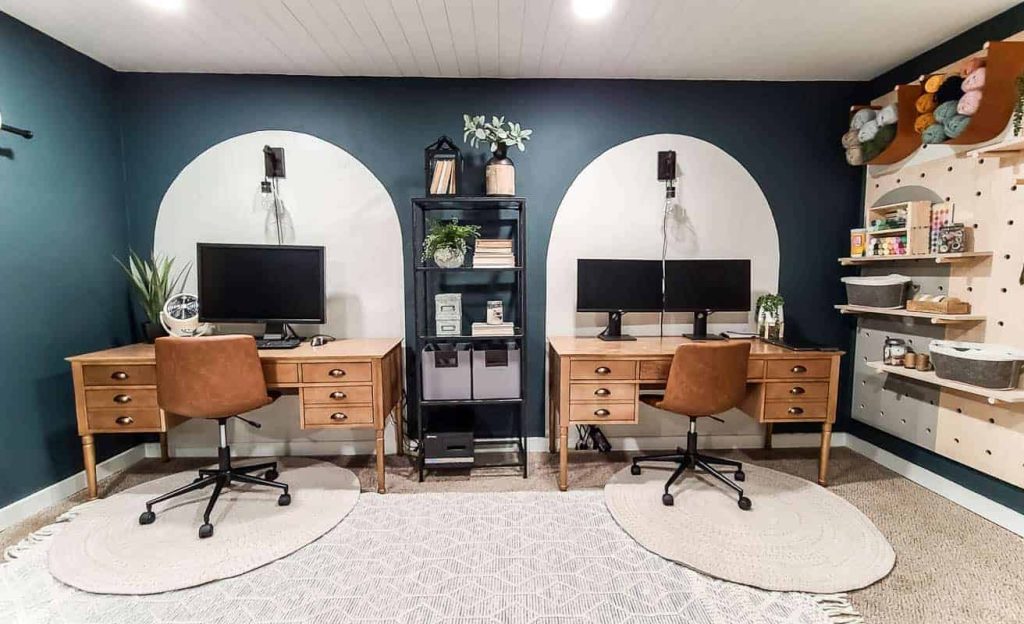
(151,331)
(500,173)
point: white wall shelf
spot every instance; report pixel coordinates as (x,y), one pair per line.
(950,258)
(935,319)
(929,377)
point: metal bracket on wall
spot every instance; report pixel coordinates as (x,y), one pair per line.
(27,134)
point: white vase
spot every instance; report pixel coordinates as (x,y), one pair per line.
(448,258)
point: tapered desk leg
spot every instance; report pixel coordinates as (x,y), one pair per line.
(165,455)
(89,458)
(563,458)
(552,425)
(380,461)
(826,446)
(767,435)
(399,434)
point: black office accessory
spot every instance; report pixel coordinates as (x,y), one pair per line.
(271,284)
(442,167)
(591,438)
(616,287)
(667,166)
(442,375)
(25,134)
(800,344)
(273,162)
(706,286)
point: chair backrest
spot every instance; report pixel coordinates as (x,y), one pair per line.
(209,377)
(707,378)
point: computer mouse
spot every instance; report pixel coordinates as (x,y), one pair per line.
(320,340)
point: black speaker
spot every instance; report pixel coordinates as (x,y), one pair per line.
(667,165)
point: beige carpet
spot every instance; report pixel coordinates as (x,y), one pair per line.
(953,567)
(797,536)
(100,551)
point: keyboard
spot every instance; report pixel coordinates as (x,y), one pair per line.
(277,343)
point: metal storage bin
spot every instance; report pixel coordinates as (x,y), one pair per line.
(496,373)
(887,291)
(450,449)
(990,366)
(447,374)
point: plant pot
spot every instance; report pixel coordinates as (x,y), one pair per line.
(151,331)
(449,258)
(500,174)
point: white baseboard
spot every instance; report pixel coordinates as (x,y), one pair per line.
(60,491)
(972,501)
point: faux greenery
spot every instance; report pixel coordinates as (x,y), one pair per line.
(497,132)
(770,303)
(152,282)
(1018,108)
(448,235)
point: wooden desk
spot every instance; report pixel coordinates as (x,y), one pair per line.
(345,384)
(593,382)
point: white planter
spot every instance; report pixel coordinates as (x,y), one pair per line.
(449,258)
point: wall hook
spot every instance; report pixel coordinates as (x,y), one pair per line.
(18,131)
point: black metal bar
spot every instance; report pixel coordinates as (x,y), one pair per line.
(28,134)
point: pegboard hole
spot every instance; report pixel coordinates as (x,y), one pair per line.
(981,161)
(922,174)
(977,193)
(903,420)
(950,168)
(1010,222)
(928,429)
(992,421)
(947,197)
(957,440)
(988,452)
(970,289)
(882,414)
(974,225)
(1000,323)
(1006,257)
(1013,188)
(940,287)
(898,180)
(959,411)
(1003,289)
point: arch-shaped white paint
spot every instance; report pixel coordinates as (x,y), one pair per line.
(614,209)
(335,201)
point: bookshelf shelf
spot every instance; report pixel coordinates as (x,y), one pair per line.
(934,319)
(951,258)
(929,377)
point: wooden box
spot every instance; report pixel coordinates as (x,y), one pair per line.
(939,305)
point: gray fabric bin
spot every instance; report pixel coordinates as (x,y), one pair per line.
(988,366)
(889,291)
(447,374)
(496,373)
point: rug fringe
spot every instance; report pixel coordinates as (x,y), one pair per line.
(838,608)
(41,535)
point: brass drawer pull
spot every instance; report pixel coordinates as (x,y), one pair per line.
(119,375)
(339,417)
(798,369)
(602,392)
(122,398)
(338,395)
(796,390)
(795,411)
(336,372)
(602,370)
(124,420)
(602,413)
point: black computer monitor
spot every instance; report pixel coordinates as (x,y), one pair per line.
(618,286)
(272,284)
(705,286)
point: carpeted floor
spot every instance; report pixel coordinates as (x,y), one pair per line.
(952,566)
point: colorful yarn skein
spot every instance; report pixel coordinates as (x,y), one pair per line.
(867,131)
(950,90)
(955,125)
(923,121)
(855,155)
(850,139)
(861,117)
(934,133)
(975,80)
(888,115)
(925,103)
(945,111)
(969,103)
(971,65)
(933,82)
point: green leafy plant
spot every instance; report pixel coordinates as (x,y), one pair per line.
(152,282)
(1018,107)
(770,303)
(497,132)
(448,235)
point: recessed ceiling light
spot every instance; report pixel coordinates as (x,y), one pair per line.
(592,9)
(167,5)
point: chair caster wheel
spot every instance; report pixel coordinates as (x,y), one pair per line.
(634,470)
(147,517)
(284,500)
(744,503)
(739,475)
(667,500)
(206,531)
(271,475)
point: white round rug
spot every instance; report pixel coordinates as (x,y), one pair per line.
(797,537)
(105,549)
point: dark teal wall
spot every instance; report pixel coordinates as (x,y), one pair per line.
(61,218)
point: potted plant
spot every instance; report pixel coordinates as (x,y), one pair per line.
(500,173)
(153,285)
(446,242)
(770,322)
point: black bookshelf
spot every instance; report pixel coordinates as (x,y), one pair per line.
(498,217)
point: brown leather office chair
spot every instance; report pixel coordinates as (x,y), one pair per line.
(706,378)
(215,378)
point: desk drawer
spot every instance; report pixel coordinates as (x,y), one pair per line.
(334,372)
(123,419)
(601,392)
(755,369)
(337,395)
(602,369)
(277,373)
(799,369)
(602,412)
(654,370)
(134,375)
(120,398)
(795,410)
(796,390)
(337,416)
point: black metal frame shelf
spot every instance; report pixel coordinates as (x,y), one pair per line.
(425,287)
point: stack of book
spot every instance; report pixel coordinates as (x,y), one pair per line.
(442,182)
(487,329)
(493,253)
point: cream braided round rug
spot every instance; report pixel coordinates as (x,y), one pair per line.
(797,537)
(105,550)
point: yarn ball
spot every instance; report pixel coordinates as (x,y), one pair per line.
(850,139)
(923,121)
(975,80)
(888,115)
(945,111)
(885,136)
(970,65)
(934,133)
(861,117)
(955,125)
(925,103)
(950,90)
(867,131)
(933,82)
(969,103)
(855,155)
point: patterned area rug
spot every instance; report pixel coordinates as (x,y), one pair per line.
(526,557)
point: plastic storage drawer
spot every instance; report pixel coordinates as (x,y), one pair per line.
(496,373)
(447,374)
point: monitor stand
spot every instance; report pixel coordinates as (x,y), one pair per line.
(700,327)
(613,332)
(274,331)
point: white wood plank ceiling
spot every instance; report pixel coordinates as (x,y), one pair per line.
(661,39)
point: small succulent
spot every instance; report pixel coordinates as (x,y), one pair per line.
(497,132)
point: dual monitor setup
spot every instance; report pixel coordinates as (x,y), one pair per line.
(698,286)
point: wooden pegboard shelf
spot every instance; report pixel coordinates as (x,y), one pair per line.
(934,319)
(1009,147)
(950,258)
(1004,62)
(992,396)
